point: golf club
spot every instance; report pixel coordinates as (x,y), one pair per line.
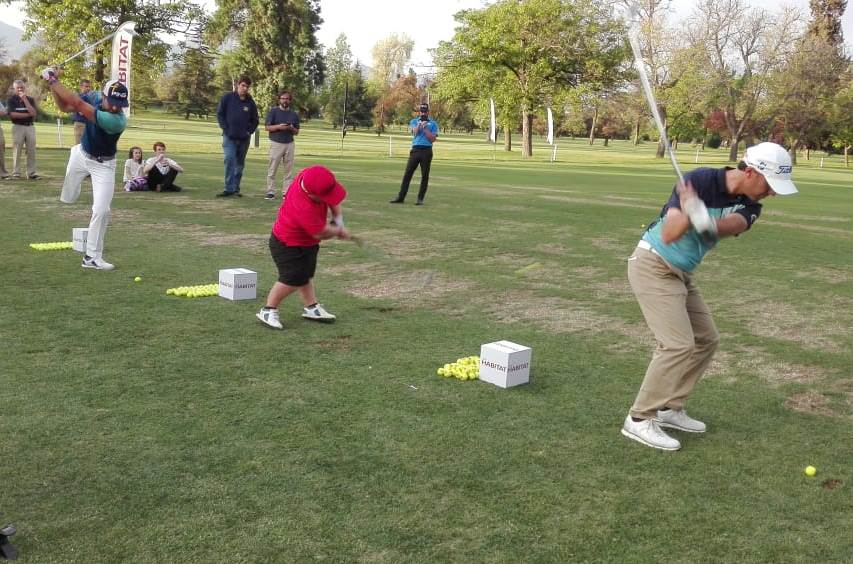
(88,47)
(634,39)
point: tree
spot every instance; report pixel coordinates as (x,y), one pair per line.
(64,26)
(390,56)
(275,40)
(526,51)
(397,102)
(826,20)
(740,48)
(196,93)
(841,118)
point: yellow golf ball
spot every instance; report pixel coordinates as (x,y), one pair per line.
(138,279)
(810,471)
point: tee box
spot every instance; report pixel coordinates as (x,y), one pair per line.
(505,364)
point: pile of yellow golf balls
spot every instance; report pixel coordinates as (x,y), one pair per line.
(59,246)
(200,291)
(466,368)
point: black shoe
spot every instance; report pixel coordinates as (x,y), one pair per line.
(396,201)
(225,194)
(238,194)
(34,177)
(270,196)
(173,188)
(419,203)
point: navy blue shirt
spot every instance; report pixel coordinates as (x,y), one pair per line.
(277,116)
(710,187)
(101,136)
(15,104)
(89,98)
(238,118)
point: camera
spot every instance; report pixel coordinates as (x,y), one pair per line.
(424,118)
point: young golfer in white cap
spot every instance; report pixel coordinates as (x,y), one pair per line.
(710,205)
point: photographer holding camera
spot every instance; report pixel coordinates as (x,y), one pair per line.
(282,124)
(424,131)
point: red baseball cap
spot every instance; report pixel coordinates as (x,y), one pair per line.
(320,181)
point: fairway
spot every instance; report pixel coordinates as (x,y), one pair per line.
(141,427)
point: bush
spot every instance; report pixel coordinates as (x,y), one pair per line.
(713,141)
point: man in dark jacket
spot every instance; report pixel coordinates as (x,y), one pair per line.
(238,119)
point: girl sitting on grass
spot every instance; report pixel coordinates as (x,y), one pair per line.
(134,177)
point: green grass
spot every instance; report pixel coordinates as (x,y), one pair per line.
(139,427)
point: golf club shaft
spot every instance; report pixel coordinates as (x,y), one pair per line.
(86,48)
(634,39)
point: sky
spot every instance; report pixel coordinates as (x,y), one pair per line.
(427,23)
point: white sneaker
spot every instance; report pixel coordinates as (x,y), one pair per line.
(317,313)
(649,433)
(678,419)
(270,317)
(96,263)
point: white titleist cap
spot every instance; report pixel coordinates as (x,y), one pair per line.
(774,163)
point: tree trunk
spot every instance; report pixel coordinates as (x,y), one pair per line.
(507,139)
(661,150)
(606,141)
(637,132)
(526,137)
(846,156)
(808,153)
(592,129)
(793,151)
(735,143)
(674,144)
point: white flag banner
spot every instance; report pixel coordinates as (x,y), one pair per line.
(493,132)
(120,67)
(550,127)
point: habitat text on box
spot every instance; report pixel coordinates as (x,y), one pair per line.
(78,239)
(238,284)
(505,364)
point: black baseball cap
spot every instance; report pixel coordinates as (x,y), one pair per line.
(423,108)
(116,93)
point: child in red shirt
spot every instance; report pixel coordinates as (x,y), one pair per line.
(295,241)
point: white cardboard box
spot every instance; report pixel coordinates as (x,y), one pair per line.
(238,284)
(505,364)
(78,238)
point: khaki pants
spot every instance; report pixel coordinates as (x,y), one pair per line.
(684,331)
(280,154)
(3,171)
(24,135)
(79,128)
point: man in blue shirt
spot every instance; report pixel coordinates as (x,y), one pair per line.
(282,123)
(238,119)
(424,133)
(95,156)
(710,205)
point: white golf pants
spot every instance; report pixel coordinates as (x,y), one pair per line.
(103,185)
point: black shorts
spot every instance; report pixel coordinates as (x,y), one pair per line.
(296,265)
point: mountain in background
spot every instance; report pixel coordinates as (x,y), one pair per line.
(12,44)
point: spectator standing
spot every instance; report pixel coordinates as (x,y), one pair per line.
(282,123)
(4,174)
(424,133)
(77,117)
(22,111)
(162,170)
(238,118)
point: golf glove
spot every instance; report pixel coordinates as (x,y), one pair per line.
(702,221)
(50,75)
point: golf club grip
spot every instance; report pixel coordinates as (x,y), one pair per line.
(634,40)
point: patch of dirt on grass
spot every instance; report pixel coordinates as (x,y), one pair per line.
(810,402)
(353,268)
(617,202)
(816,330)
(393,244)
(783,373)
(828,275)
(610,244)
(831,484)
(806,218)
(810,227)
(339,343)
(414,285)
(239,240)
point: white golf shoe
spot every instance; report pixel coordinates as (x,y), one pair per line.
(96,263)
(270,318)
(318,313)
(678,419)
(649,433)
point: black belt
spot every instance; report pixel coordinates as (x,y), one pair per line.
(421,147)
(99,159)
